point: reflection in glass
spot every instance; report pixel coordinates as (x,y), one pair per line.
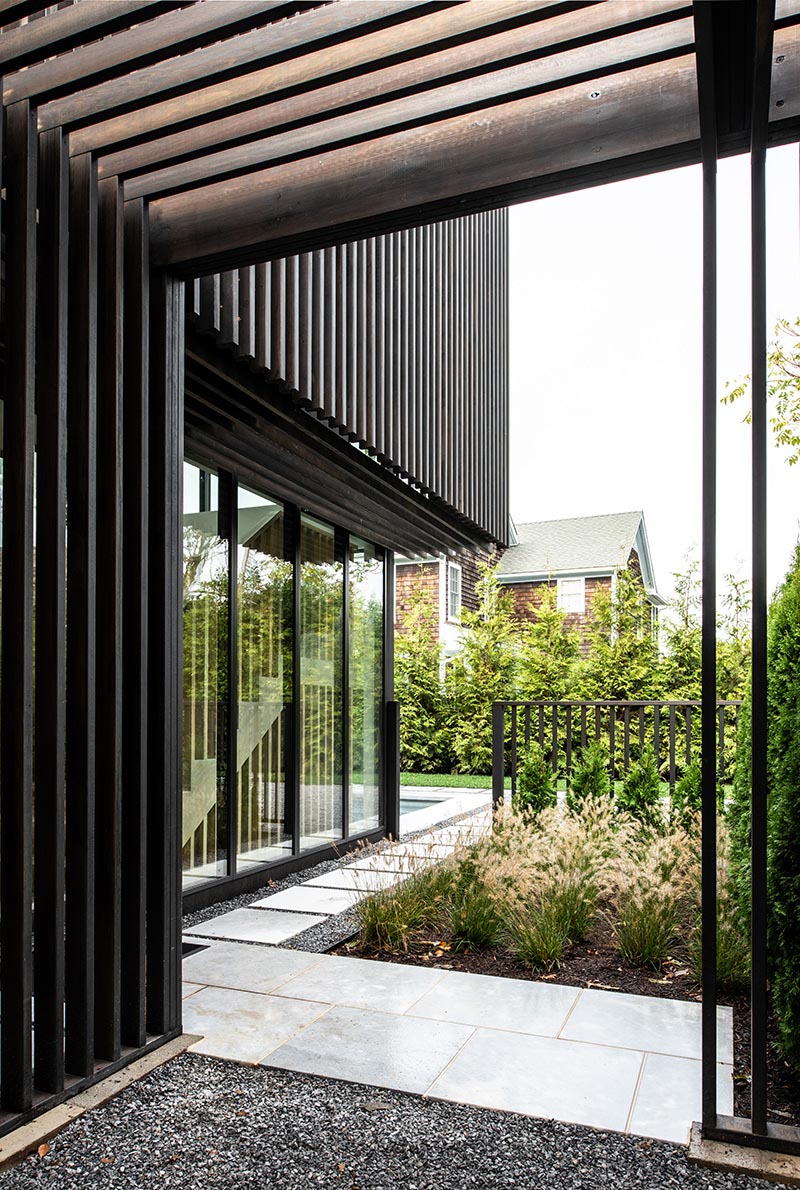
(321,608)
(265,678)
(366,684)
(205,678)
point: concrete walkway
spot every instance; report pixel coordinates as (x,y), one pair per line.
(606,1059)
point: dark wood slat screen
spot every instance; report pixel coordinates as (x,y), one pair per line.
(398,342)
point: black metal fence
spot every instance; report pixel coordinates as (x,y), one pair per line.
(669,730)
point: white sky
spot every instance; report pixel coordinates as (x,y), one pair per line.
(606,357)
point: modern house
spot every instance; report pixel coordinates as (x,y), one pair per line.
(217,377)
(578,556)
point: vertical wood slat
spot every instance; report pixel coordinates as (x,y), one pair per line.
(340,404)
(164,660)
(304,330)
(16,692)
(229,309)
(209,320)
(317,331)
(261,341)
(388,357)
(350,422)
(277,357)
(51,495)
(369,344)
(361,344)
(109,623)
(292,329)
(135,511)
(379,377)
(329,342)
(247,313)
(81,616)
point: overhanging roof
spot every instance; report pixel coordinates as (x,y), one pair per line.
(254,127)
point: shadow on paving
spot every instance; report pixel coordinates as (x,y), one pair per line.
(200,1123)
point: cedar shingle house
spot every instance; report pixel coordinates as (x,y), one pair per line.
(578,556)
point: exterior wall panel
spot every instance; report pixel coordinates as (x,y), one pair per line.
(398,342)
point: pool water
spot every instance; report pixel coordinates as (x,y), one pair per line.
(409,804)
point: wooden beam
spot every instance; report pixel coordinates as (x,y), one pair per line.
(223,61)
(69,28)
(419,32)
(628,113)
(147,43)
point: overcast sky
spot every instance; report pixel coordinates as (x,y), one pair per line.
(606,358)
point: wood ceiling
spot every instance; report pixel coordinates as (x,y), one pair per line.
(257,127)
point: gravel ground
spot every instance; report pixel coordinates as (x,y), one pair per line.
(202,1124)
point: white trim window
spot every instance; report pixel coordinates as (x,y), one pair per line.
(571,596)
(453,592)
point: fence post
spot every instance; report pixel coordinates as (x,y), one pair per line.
(498,752)
(392,771)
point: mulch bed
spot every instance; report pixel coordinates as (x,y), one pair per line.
(595,963)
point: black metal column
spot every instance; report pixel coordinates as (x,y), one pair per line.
(108,804)
(165,654)
(135,512)
(16,692)
(51,499)
(81,615)
(765,18)
(708,129)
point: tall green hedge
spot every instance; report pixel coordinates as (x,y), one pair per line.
(783,843)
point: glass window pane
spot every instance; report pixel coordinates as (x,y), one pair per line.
(321,612)
(264,580)
(366,685)
(205,678)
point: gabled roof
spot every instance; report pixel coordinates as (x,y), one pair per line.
(578,545)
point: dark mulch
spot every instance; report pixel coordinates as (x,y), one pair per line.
(595,963)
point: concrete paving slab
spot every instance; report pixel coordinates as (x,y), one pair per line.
(375,1048)
(246,968)
(670,1098)
(646,1023)
(245,1026)
(361,879)
(362,983)
(508,1004)
(542,1076)
(254,925)
(303,898)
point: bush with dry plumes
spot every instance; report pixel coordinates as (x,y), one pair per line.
(549,876)
(652,903)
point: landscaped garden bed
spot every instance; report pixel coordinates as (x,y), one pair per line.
(588,894)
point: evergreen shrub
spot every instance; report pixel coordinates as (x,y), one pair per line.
(590,779)
(640,795)
(536,783)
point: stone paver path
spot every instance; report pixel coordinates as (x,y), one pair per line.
(609,1060)
(606,1059)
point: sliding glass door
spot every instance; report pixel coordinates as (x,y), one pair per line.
(283,643)
(264,678)
(205,677)
(321,680)
(365,672)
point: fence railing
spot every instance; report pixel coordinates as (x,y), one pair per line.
(669,730)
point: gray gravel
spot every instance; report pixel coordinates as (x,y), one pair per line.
(202,1124)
